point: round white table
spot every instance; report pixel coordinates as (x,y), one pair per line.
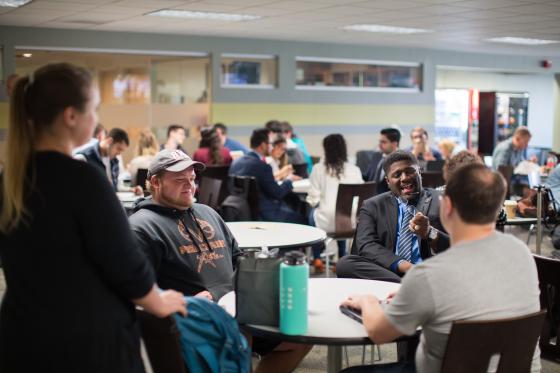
(256,234)
(326,324)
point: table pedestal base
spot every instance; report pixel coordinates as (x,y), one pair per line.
(334,359)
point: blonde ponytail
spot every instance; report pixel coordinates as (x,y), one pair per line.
(19,148)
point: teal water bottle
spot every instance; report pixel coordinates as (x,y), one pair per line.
(294,274)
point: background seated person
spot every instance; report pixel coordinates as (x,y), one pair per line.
(278,160)
(228,142)
(420,146)
(485,275)
(398,228)
(211,152)
(146,150)
(272,206)
(332,170)
(511,152)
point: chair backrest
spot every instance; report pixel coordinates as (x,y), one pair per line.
(209,191)
(346,210)
(435,165)
(364,159)
(246,187)
(472,344)
(161,339)
(301,170)
(315,159)
(507,173)
(432,179)
(141,176)
(549,283)
(217,172)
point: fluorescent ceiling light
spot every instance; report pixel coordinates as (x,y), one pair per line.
(232,17)
(384,29)
(27,55)
(13,3)
(523,41)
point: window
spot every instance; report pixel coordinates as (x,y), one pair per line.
(248,71)
(342,74)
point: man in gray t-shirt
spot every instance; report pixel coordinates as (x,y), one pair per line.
(484,275)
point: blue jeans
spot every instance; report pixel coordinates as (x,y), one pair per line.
(317,248)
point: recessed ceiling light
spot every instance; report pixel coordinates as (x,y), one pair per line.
(27,55)
(523,41)
(13,3)
(232,17)
(384,29)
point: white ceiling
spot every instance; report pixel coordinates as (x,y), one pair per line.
(458,25)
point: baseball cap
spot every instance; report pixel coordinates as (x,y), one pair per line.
(172,160)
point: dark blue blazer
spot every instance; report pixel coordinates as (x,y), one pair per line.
(270,193)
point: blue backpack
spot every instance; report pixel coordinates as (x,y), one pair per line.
(210,339)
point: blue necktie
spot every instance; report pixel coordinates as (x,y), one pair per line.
(405,234)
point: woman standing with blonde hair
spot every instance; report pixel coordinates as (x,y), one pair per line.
(73,273)
(146,150)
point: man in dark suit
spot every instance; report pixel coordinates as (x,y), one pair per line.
(272,206)
(398,228)
(389,139)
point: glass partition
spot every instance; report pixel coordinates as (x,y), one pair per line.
(341,74)
(249,71)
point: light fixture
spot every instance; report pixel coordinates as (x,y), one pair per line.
(385,29)
(522,41)
(13,3)
(231,17)
(27,55)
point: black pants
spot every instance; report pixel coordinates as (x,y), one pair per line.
(355,266)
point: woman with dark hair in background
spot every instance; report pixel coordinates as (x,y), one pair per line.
(211,152)
(72,270)
(325,176)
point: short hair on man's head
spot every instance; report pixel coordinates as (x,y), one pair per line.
(419,129)
(98,129)
(173,128)
(222,127)
(463,158)
(286,127)
(477,193)
(397,156)
(393,134)
(119,135)
(522,131)
(273,126)
(258,137)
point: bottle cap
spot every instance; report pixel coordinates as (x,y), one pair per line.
(294,258)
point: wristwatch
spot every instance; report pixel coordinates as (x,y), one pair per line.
(432,234)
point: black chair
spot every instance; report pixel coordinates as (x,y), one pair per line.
(141,176)
(432,179)
(209,191)
(549,283)
(243,201)
(364,158)
(301,170)
(436,165)
(161,339)
(220,173)
(471,344)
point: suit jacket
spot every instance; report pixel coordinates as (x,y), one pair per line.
(270,193)
(92,155)
(376,233)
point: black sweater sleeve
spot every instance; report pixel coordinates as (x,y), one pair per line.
(107,236)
